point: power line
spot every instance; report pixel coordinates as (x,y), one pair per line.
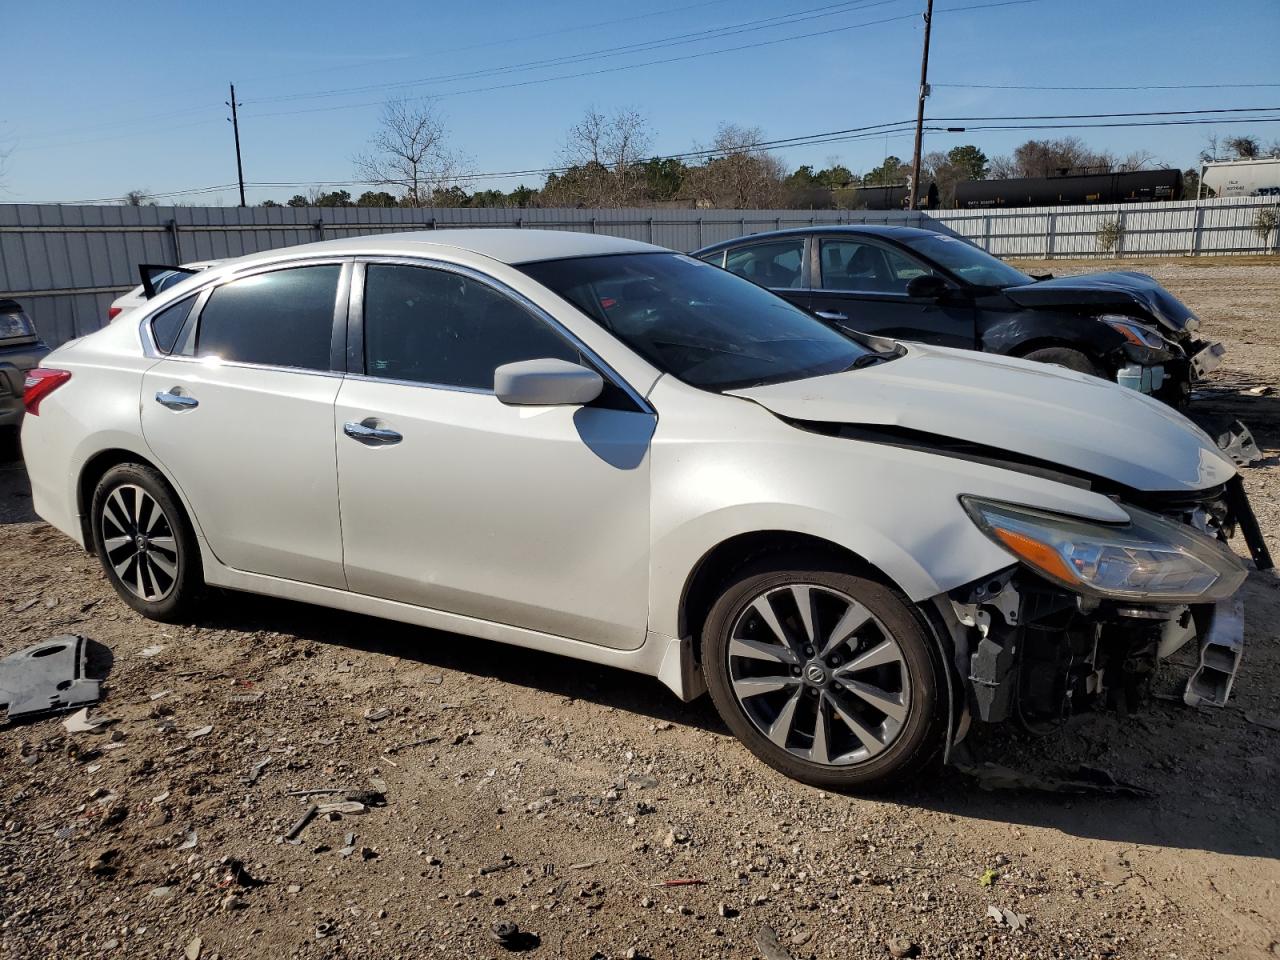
(1171,86)
(713,33)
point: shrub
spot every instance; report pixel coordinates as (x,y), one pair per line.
(1109,234)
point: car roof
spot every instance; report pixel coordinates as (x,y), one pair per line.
(826,230)
(510,246)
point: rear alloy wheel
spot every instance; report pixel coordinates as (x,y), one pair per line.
(825,676)
(145,545)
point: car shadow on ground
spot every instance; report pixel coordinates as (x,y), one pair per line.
(15,489)
(1180,797)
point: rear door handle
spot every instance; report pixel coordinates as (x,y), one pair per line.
(371,436)
(176,401)
(831,315)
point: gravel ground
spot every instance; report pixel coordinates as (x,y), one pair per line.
(564,798)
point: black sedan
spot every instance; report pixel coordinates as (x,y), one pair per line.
(912,284)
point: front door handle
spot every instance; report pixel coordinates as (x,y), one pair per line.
(176,401)
(369,435)
(831,315)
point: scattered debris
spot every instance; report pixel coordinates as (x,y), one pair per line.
(47,676)
(245,697)
(79,722)
(373,716)
(151,651)
(193,948)
(1079,780)
(256,770)
(988,877)
(199,732)
(345,807)
(900,947)
(237,875)
(105,863)
(1270,723)
(1010,918)
(585,865)
(301,823)
(511,937)
(414,743)
(1264,391)
(681,882)
(190,842)
(768,945)
(506,864)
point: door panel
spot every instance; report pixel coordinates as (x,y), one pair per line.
(255,458)
(863,288)
(536,517)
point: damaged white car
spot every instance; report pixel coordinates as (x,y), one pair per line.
(606,450)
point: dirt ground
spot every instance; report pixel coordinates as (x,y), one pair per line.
(561,797)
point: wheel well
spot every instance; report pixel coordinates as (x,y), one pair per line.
(93,471)
(719,564)
(1044,343)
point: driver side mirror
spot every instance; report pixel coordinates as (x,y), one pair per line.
(927,287)
(546,383)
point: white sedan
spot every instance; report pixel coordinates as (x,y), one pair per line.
(606,450)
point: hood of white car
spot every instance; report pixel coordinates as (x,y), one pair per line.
(1032,410)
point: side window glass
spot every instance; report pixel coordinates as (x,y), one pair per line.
(167,324)
(283,318)
(775,264)
(715,259)
(443,328)
(862,267)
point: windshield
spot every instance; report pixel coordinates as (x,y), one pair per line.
(967,261)
(697,322)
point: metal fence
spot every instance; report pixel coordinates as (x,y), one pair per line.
(67,263)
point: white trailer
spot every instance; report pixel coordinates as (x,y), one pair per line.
(1242,178)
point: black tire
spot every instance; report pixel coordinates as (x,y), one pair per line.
(170,544)
(1069,358)
(920,735)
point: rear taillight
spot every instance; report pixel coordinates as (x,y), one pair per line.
(113,312)
(40,382)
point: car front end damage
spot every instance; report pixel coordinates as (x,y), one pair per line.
(1089,611)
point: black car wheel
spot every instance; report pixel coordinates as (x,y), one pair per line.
(145,543)
(1067,357)
(826,676)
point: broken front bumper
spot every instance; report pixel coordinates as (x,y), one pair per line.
(1207,359)
(1221,648)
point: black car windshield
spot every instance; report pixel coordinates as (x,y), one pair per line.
(699,323)
(967,261)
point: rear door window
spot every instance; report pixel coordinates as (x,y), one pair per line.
(282,319)
(774,264)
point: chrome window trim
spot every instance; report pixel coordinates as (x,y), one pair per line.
(218,363)
(538,313)
(203,291)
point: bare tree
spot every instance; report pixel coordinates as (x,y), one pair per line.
(139,198)
(740,174)
(410,153)
(1244,147)
(603,154)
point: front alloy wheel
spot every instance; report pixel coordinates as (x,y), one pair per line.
(826,676)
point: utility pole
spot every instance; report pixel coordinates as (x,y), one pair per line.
(924,93)
(235,126)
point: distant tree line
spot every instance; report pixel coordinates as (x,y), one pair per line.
(606,160)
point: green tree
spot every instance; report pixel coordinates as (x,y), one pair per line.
(892,171)
(269,203)
(335,198)
(968,162)
(298,200)
(663,178)
(376,198)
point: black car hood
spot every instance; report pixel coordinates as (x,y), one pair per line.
(1122,291)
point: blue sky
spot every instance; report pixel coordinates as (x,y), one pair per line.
(99,98)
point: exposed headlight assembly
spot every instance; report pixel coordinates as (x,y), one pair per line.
(1149,559)
(1136,333)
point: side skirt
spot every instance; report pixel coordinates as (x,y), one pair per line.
(666,658)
